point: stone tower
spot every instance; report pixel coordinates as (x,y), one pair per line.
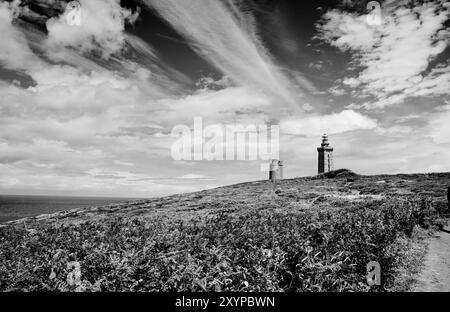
(325,156)
(276,170)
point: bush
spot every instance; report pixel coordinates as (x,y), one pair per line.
(253,250)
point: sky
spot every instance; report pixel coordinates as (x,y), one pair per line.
(89,109)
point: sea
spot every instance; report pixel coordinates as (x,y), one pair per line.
(14,207)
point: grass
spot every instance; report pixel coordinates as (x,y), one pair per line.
(296,239)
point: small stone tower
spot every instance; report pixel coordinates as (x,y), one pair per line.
(276,170)
(325,156)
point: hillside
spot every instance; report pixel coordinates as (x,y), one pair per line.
(305,234)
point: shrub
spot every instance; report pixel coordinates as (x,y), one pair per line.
(252,250)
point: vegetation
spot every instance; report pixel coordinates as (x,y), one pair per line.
(272,246)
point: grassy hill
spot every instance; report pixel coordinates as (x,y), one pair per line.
(305,234)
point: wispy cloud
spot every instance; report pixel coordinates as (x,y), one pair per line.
(227,36)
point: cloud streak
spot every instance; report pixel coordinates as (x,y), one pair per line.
(226,35)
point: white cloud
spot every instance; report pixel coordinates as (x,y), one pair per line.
(336,91)
(234,104)
(347,120)
(14,50)
(101,29)
(395,55)
(193,176)
(396,130)
(439,126)
(76,119)
(104,128)
(71,121)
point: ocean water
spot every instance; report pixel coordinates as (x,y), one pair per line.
(20,206)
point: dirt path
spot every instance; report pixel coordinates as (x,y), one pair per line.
(436,274)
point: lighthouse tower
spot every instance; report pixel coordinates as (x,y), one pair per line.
(325,156)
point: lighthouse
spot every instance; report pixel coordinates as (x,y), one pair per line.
(325,156)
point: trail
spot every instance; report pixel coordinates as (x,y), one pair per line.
(436,274)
